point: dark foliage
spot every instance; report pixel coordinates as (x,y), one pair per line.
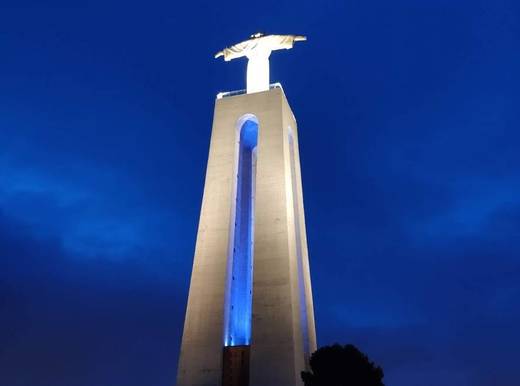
(342,366)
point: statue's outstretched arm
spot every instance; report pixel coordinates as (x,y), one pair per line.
(235,51)
(279,42)
(265,42)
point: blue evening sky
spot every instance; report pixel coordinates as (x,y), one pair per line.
(409,123)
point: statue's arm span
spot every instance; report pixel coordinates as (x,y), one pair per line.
(234,52)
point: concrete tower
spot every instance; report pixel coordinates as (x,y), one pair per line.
(249,319)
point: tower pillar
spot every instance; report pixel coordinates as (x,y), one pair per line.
(273,336)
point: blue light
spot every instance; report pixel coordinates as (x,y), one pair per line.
(238,329)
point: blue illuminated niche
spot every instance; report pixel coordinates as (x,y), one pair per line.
(240,270)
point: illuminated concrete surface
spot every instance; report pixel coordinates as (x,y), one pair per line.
(282,331)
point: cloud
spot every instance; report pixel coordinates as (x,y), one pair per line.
(431,296)
(475,204)
(87,218)
(74,321)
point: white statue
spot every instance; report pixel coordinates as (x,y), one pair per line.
(257,50)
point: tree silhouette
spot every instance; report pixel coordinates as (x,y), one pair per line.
(342,366)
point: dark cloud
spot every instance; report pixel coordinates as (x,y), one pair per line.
(83,321)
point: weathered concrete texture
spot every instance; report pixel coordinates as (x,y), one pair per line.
(283,316)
